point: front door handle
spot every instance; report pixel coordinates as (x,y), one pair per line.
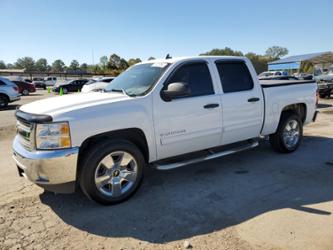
(211,106)
(253,99)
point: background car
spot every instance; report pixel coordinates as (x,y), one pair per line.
(50,80)
(327,77)
(70,86)
(27,80)
(272,73)
(279,78)
(97,85)
(38,83)
(25,87)
(305,76)
(8,92)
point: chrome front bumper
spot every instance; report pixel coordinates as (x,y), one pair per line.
(54,170)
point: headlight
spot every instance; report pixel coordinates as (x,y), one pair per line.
(53,136)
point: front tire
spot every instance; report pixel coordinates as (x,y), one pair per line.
(289,133)
(111,172)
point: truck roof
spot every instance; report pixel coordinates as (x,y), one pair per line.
(187,58)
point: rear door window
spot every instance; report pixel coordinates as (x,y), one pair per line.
(234,76)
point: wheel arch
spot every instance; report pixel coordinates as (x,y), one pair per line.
(134,135)
(298,108)
(5,95)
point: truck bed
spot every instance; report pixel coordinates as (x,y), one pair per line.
(276,83)
(280,93)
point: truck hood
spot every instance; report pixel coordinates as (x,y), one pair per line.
(57,105)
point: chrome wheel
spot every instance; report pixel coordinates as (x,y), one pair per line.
(25,92)
(291,134)
(116,173)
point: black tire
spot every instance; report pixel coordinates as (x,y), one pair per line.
(25,92)
(3,101)
(276,140)
(65,91)
(93,156)
(44,87)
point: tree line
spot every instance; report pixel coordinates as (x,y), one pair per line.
(115,64)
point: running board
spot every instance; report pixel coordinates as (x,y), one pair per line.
(210,156)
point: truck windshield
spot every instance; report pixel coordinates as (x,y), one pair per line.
(139,79)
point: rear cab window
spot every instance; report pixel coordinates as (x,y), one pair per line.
(234,76)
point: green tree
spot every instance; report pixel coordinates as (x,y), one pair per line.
(123,65)
(41,65)
(133,61)
(259,61)
(9,66)
(222,52)
(58,66)
(114,62)
(103,61)
(74,65)
(84,67)
(26,63)
(2,65)
(276,52)
(151,58)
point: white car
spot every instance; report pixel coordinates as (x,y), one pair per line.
(50,81)
(266,74)
(97,84)
(9,92)
(161,113)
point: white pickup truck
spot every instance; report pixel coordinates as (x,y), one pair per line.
(162,113)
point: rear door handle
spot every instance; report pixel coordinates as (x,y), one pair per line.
(211,106)
(253,99)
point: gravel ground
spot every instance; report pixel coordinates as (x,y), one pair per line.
(256,199)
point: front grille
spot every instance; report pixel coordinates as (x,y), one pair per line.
(25,133)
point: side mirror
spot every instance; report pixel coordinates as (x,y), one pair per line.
(176,90)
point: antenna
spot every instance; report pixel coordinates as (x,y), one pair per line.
(168,56)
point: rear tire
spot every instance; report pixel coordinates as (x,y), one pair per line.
(111,171)
(289,133)
(25,92)
(3,101)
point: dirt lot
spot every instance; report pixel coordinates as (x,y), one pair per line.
(253,200)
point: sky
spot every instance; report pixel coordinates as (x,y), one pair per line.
(86,30)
